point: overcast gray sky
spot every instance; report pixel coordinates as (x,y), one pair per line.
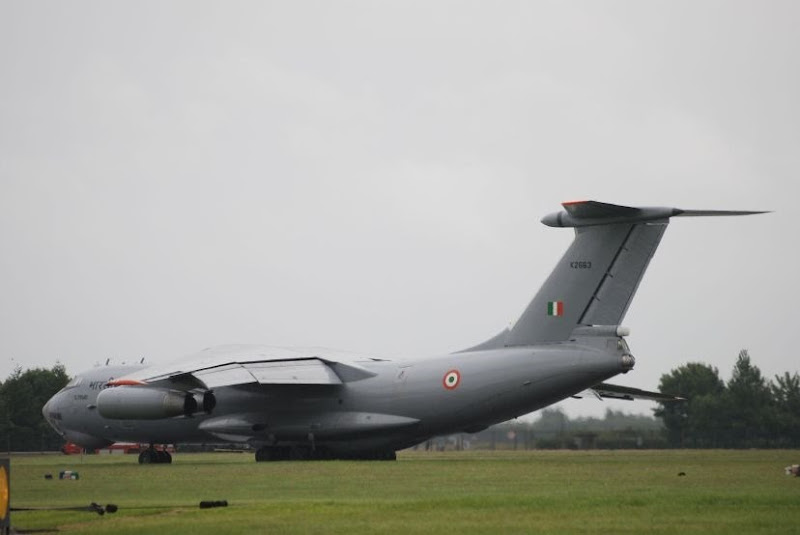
(370,175)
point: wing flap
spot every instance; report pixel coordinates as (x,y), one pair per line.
(298,372)
(228,375)
(241,365)
(606,390)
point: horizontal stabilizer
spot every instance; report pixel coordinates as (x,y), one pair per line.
(705,213)
(592,209)
(591,213)
(606,390)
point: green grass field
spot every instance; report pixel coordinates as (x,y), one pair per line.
(473,492)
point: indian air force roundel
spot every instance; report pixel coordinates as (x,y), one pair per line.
(451,379)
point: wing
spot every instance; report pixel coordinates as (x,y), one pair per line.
(606,390)
(240,365)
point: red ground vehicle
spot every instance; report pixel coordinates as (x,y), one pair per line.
(71,448)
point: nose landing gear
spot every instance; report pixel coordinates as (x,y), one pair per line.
(154,456)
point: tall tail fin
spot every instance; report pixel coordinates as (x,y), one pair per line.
(596,279)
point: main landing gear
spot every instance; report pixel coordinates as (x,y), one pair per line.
(154,456)
(301,453)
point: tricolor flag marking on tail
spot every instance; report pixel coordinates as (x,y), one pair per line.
(555,308)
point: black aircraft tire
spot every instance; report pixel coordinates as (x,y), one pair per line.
(264,454)
(299,454)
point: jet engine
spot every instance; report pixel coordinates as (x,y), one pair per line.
(144,403)
(206,401)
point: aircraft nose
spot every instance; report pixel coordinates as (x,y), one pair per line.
(48,410)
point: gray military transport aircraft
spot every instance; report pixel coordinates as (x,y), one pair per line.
(309,403)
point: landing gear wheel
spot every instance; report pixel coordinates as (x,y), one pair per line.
(297,453)
(263,454)
(282,453)
(154,456)
(148,456)
(376,455)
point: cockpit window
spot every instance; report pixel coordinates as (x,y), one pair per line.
(76,381)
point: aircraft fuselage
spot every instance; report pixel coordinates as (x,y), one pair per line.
(406,402)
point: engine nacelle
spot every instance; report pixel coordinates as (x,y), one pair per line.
(208,402)
(144,403)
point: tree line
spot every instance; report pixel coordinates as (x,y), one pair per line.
(22,396)
(748,411)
